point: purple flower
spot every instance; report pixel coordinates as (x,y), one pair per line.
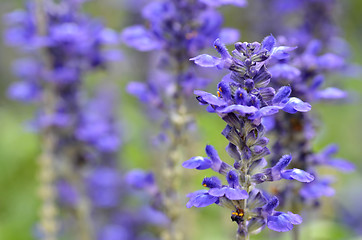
(113,232)
(278,172)
(67,193)
(104,186)
(229,193)
(200,163)
(318,188)
(243,100)
(325,157)
(200,198)
(140,179)
(140,38)
(283,222)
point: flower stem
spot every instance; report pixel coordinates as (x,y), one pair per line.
(295,233)
(54,158)
(47,159)
(172,174)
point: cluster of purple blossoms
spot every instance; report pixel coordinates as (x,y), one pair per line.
(176,30)
(81,138)
(137,214)
(320,53)
(305,72)
(243,100)
(72,44)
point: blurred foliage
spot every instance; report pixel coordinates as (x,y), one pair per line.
(19,148)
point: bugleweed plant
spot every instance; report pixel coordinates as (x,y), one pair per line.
(82,190)
(321,53)
(176,31)
(243,100)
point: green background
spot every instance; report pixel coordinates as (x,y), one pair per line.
(19,148)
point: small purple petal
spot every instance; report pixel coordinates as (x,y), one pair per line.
(206,60)
(214,156)
(282,94)
(210,98)
(140,179)
(297,174)
(268,43)
(108,36)
(211,182)
(295,218)
(342,165)
(265,111)
(217,192)
(236,194)
(317,189)
(296,105)
(284,71)
(273,202)
(241,109)
(113,232)
(281,52)
(283,222)
(229,35)
(200,199)
(198,192)
(331,93)
(198,163)
(23,91)
(283,162)
(218,3)
(139,38)
(330,61)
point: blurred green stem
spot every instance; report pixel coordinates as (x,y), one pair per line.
(178,115)
(54,156)
(295,233)
(47,191)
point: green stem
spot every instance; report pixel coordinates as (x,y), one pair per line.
(172,174)
(52,157)
(295,233)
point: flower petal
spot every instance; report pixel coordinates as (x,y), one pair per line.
(342,165)
(229,35)
(209,98)
(297,174)
(282,94)
(206,60)
(268,43)
(199,163)
(217,192)
(296,105)
(139,38)
(241,109)
(283,222)
(235,193)
(200,199)
(331,93)
(281,52)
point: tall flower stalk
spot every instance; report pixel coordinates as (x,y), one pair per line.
(321,53)
(62,45)
(177,31)
(243,100)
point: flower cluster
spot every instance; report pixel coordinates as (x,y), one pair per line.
(73,44)
(142,220)
(178,30)
(321,53)
(81,138)
(243,100)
